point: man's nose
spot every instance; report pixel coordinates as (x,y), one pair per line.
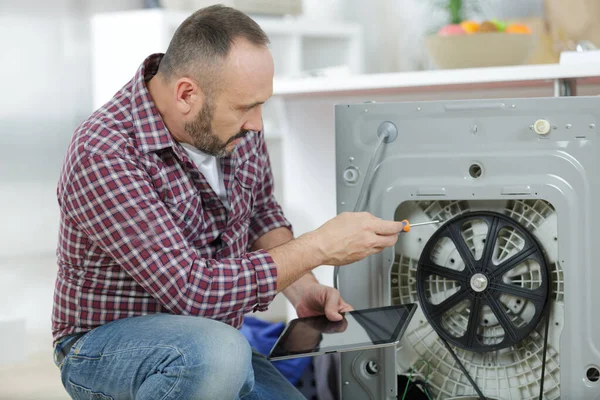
(254,122)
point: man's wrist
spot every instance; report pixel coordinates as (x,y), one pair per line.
(314,249)
(297,290)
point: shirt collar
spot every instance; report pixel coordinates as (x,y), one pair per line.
(199,156)
(151,131)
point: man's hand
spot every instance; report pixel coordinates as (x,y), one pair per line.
(347,238)
(319,299)
(350,237)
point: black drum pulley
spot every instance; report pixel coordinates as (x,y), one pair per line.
(483,282)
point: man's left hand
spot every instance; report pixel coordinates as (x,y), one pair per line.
(319,299)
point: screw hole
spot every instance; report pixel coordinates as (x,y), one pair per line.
(485,321)
(555,238)
(419,240)
(372,368)
(593,374)
(556,323)
(475,171)
(452,261)
(518,301)
(482,240)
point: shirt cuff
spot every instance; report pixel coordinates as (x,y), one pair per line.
(265,271)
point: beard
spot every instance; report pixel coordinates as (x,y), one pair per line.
(204,139)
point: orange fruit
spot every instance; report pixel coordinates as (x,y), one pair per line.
(518,28)
(470,26)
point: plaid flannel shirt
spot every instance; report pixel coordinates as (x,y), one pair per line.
(142,231)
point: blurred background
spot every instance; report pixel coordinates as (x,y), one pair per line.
(61,59)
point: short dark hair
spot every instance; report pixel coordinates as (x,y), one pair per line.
(204,40)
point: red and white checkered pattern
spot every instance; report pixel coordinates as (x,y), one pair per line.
(142,231)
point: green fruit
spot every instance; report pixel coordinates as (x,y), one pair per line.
(501,26)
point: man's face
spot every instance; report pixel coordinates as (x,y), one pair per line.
(244,84)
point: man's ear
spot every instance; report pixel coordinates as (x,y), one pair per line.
(188,95)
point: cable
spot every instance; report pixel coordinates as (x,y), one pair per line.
(426,378)
(462,367)
(361,194)
(544,356)
(424,387)
(407,383)
(428,367)
(368,177)
(545,349)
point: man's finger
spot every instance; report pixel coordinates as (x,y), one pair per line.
(383,227)
(332,306)
(387,240)
(345,307)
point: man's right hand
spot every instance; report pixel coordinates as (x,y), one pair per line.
(350,237)
(342,240)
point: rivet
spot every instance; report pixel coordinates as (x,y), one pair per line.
(568,126)
(592,126)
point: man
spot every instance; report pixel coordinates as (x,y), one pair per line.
(170,232)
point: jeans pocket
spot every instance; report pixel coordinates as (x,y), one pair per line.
(79,392)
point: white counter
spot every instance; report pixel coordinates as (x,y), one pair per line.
(423,79)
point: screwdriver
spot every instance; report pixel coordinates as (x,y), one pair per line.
(408,225)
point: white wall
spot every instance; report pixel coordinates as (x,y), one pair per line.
(46,92)
(45,73)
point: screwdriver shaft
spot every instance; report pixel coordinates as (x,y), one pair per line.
(425,223)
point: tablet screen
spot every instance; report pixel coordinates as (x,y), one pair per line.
(358,329)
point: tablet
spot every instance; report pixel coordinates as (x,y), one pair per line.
(358,330)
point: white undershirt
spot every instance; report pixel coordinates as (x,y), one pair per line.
(210,167)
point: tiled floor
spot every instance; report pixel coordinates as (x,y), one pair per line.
(35,379)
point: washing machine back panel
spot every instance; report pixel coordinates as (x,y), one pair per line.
(496,150)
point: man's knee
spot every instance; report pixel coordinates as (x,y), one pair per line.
(219,365)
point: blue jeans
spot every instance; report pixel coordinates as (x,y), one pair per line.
(165,356)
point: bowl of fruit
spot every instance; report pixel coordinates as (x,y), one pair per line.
(472,44)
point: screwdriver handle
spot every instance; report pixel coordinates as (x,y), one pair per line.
(406,227)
